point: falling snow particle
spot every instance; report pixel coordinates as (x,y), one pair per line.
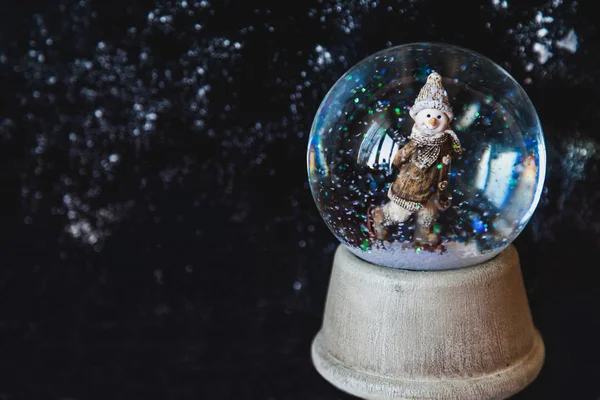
(324,57)
(542,51)
(541,18)
(569,42)
(500,4)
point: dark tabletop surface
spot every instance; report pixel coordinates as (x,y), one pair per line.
(158,237)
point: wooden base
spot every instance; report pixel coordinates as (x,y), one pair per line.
(456,334)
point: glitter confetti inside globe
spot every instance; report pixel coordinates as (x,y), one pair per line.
(426,156)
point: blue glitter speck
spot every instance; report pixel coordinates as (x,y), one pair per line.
(479,226)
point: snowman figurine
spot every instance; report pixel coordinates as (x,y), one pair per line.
(423,164)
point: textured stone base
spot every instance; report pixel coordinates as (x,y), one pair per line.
(455,334)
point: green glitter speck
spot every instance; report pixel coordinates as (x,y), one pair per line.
(356,100)
(437,228)
(370,112)
(439,166)
(349,77)
(397,111)
(379,84)
(365,245)
(363,90)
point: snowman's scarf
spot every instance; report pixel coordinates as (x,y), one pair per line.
(429,145)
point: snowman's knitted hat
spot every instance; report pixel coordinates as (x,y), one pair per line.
(434,96)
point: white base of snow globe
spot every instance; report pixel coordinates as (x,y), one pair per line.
(454,334)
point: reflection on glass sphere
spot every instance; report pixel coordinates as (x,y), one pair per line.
(426,156)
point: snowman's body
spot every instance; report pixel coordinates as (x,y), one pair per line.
(423,166)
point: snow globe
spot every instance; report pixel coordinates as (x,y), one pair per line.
(426,161)
(375,165)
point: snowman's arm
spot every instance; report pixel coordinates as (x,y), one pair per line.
(404,154)
(456,146)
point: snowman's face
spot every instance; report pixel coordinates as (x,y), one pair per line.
(432,120)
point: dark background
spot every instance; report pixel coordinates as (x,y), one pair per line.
(158,237)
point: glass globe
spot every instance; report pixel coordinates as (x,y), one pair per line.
(426,156)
